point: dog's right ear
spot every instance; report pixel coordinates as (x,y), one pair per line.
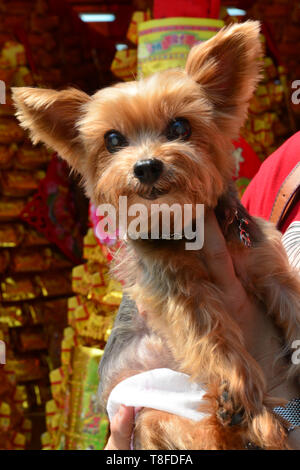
(51,117)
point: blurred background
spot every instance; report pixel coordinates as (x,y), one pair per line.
(58,301)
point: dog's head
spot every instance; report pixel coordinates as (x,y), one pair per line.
(165,138)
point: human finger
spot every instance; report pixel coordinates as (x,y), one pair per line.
(121,429)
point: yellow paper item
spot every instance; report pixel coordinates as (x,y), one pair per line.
(137,18)
(165,43)
(124,65)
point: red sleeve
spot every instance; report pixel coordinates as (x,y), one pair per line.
(260,195)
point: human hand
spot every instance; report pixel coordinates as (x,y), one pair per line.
(222,268)
(121,429)
(226,269)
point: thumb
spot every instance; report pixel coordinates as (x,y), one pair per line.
(121,429)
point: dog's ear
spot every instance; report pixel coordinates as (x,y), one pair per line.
(227,67)
(51,117)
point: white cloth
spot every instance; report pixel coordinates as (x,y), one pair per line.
(162,389)
(291,243)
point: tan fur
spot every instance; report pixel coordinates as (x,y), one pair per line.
(185,308)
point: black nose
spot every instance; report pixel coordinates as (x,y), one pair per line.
(148,171)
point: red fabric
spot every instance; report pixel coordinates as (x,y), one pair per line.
(52,211)
(186,8)
(248,162)
(215,9)
(260,195)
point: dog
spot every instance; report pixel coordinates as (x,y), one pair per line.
(168,138)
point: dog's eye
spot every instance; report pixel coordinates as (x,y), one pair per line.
(179,128)
(114,141)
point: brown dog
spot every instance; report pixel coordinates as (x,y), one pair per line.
(167,139)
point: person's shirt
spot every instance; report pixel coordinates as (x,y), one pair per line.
(291,243)
(261,193)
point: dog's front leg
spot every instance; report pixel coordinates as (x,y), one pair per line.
(208,345)
(158,430)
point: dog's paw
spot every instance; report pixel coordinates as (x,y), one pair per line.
(228,413)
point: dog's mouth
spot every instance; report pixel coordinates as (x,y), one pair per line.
(154,193)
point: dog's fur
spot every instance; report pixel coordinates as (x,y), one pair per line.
(188,327)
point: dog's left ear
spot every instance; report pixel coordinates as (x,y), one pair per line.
(51,117)
(227,67)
